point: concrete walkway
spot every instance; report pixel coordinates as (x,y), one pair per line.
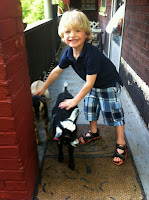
(136,133)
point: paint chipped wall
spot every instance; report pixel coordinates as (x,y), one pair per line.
(137,89)
(134,68)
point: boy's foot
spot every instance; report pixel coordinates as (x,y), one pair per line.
(120,153)
(89,136)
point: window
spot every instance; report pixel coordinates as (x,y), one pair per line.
(102,9)
(88,4)
(103,3)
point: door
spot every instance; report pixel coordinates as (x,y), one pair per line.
(115,41)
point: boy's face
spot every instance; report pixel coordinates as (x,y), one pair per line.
(74,37)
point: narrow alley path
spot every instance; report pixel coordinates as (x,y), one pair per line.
(106,181)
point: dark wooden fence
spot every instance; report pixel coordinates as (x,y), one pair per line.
(42,43)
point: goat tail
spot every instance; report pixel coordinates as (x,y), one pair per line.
(65,86)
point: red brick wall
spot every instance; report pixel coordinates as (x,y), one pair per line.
(103,21)
(18,152)
(136,37)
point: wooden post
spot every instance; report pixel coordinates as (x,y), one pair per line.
(48,9)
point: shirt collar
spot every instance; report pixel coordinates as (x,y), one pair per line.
(70,52)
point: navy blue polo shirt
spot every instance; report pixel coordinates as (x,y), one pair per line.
(92,61)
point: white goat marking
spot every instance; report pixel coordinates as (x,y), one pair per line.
(69,125)
(58,132)
(75,143)
(74,114)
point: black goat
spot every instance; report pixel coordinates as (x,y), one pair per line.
(64,127)
(40,108)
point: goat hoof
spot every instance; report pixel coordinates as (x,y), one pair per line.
(38,141)
(72,166)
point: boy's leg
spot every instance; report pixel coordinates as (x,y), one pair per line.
(93,125)
(113,115)
(92,134)
(120,140)
(91,111)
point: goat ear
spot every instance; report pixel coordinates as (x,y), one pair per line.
(58,132)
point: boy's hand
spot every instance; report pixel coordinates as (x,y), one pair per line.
(39,92)
(67,104)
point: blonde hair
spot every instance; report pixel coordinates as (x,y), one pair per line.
(75,19)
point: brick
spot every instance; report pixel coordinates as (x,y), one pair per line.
(27,117)
(8,28)
(15,185)
(13,9)
(1,55)
(140,26)
(23,131)
(20,24)
(142,34)
(147,45)
(10,164)
(14,64)
(138,9)
(13,47)
(134,62)
(14,195)
(7,124)
(3,74)
(135,38)
(4,93)
(11,175)
(137,17)
(20,103)
(16,82)
(138,47)
(7,138)
(5,109)
(9,152)
(2,185)
(137,2)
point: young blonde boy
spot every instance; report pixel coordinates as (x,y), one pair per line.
(103,83)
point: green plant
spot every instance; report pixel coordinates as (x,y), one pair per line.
(61,5)
(68,8)
(32,10)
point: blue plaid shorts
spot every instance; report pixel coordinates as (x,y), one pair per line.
(108,101)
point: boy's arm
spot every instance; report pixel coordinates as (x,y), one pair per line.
(55,73)
(70,103)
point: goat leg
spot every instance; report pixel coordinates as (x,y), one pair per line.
(60,148)
(71,161)
(37,132)
(45,122)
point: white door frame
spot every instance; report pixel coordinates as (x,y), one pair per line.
(113,8)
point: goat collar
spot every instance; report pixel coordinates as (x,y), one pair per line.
(69,120)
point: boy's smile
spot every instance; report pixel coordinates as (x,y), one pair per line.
(75,38)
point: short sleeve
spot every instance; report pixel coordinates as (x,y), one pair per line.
(64,61)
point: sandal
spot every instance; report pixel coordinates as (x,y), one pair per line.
(122,156)
(87,139)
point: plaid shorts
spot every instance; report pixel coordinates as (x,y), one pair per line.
(108,101)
